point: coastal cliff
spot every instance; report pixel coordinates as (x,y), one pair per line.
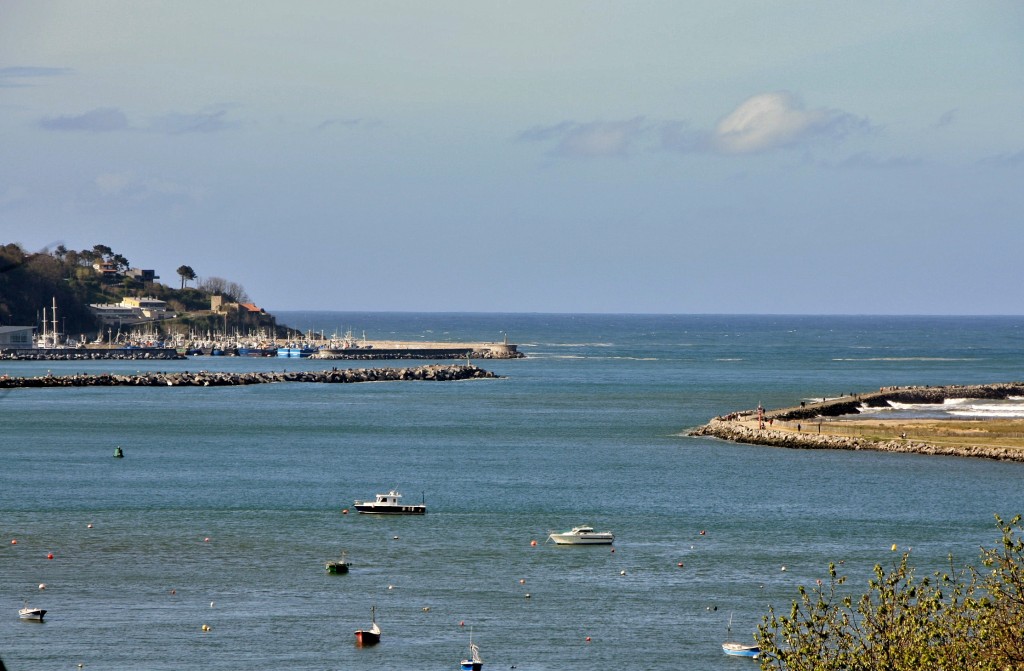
(806,433)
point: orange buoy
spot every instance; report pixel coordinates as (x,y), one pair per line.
(344,511)
(533,544)
(522,581)
(680,564)
(206,540)
(14,541)
(88,526)
(588,639)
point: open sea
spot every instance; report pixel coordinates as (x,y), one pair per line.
(229,500)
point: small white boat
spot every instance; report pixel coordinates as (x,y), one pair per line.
(390,504)
(583,535)
(741,649)
(29,613)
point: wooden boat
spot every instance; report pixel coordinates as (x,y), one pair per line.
(29,613)
(473,662)
(583,535)
(369,636)
(337,566)
(390,504)
(740,649)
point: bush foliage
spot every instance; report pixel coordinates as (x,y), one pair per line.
(963,619)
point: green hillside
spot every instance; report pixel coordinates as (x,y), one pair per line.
(31,281)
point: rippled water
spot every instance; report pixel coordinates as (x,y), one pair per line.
(588,429)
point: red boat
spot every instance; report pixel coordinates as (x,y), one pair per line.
(369,636)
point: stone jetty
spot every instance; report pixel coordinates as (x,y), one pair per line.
(745,426)
(92,354)
(435,373)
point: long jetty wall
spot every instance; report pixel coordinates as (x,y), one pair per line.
(436,373)
(737,426)
(89,354)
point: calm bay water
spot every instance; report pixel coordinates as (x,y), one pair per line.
(588,429)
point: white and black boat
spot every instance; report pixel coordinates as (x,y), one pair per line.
(29,613)
(390,504)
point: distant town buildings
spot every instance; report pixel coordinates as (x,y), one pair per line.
(16,337)
(131,310)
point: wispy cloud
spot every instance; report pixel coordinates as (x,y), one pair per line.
(1013,160)
(862,160)
(125,190)
(23,75)
(947,118)
(108,119)
(592,139)
(100,120)
(200,122)
(346,123)
(761,123)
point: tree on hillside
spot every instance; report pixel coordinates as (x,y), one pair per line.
(186,273)
(231,290)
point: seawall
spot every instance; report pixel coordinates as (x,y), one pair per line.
(743,427)
(89,354)
(435,373)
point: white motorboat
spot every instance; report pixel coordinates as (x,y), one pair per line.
(29,613)
(390,504)
(583,535)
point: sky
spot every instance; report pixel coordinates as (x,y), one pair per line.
(532,156)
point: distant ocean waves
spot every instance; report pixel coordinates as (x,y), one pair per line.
(1011,408)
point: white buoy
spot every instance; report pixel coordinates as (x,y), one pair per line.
(42,585)
(783,568)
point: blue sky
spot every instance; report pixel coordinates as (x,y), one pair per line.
(672,157)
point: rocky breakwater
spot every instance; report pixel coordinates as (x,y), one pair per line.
(435,373)
(745,426)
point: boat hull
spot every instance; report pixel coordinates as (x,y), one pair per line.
(470,665)
(376,509)
(741,650)
(32,614)
(367,637)
(570,539)
(336,567)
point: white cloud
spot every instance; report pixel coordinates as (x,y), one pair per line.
(762,123)
(773,120)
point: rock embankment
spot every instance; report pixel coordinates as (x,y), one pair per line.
(743,427)
(88,354)
(437,373)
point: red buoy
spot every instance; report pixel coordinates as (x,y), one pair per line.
(49,555)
